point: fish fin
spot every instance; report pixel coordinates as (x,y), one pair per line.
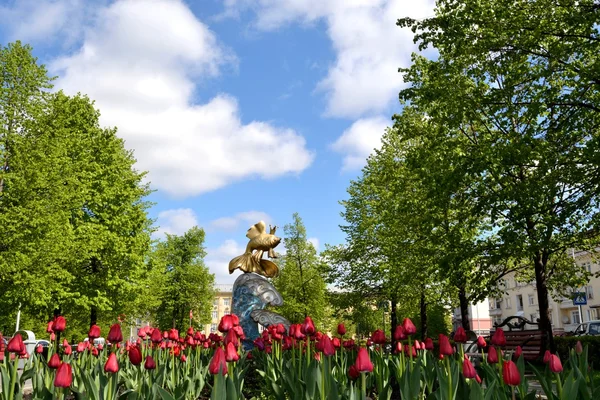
(270,269)
(256,229)
(245,262)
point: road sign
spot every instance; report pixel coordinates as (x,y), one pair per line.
(579,299)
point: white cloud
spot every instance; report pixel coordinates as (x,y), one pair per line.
(231,223)
(369,46)
(175,222)
(33,20)
(217,260)
(315,242)
(359,141)
(141,62)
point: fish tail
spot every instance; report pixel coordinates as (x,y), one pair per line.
(245,262)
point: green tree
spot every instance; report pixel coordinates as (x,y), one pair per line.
(180,281)
(75,229)
(300,279)
(522,120)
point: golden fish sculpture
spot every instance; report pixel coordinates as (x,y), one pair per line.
(260,241)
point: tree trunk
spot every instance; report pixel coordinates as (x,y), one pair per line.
(464,309)
(540,262)
(57,313)
(93,315)
(393,320)
(423,315)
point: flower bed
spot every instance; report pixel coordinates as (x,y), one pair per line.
(301,363)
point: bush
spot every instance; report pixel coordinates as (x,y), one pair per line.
(565,343)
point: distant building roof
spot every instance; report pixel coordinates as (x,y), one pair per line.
(223,288)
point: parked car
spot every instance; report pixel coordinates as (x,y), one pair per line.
(588,328)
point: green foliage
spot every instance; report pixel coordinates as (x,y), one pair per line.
(518,132)
(300,279)
(75,229)
(178,281)
(564,344)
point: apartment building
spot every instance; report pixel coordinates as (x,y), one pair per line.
(479,318)
(521,299)
(222,303)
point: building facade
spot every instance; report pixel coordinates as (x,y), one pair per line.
(521,299)
(479,319)
(222,303)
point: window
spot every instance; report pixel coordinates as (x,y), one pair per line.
(214,315)
(519,302)
(587,266)
(227,312)
(531,299)
(213,328)
(589,290)
(226,302)
(508,302)
(575,317)
(592,314)
(215,302)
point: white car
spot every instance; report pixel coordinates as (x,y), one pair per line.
(588,328)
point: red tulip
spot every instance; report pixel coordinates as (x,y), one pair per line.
(510,373)
(481,343)
(218,362)
(173,334)
(156,336)
(231,337)
(149,364)
(578,347)
(64,376)
(94,332)
(341,329)
(183,358)
(190,331)
(363,361)
(460,336)
(555,364)
(327,346)
(231,354)
(68,350)
(94,352)
(16,345)
(226,323)
(353,372)
(135,355)
(398,348)
(409,327)
(492,357)
(547,355)
(112,365)
(54,361)
(317,356)
(80,347)
(518,353)
(235,319)
(428,344)
(165,335)
(308,327)
(49,327)
(399,333)
(378,337)
(468,369)
(39,349)
(336,342)
(478,379)
(114,334)
(445,348)
(59,324)
(498,339)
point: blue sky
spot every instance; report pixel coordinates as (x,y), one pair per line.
(240,110)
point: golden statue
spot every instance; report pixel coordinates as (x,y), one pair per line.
(260,241)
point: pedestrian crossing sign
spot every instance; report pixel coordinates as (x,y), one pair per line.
(579,299)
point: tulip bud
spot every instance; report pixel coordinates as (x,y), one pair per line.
(39,349)
(94,332)
(183,358)
(445,348)
(498,339)
(173,334)
(135,355)
(555,364)
(64,376)
(428,344)
(378,337)
(481,343)
(468,369)
(399,333)
(578,347)
(492,357)
(54,361)
(547,355)
(16,345)
(231,354)
(112,365)
(114,334)
(460,336)
(308,326)
(149,364)
(363,361)
(353,372)
(59,324)
(226,323)
(409,327)
(49,327)
(218,362)
(510,373)
(341,329)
